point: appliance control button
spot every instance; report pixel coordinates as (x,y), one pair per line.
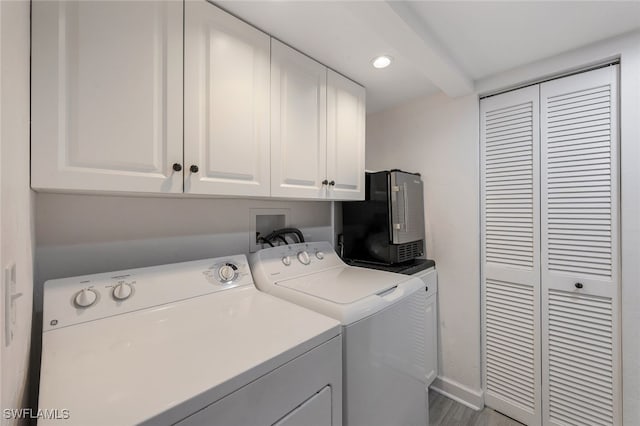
(320,255)
(85,298)
(227,272)
(122,291)
(304,258)
(286,260)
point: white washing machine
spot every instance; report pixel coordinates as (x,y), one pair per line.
(191,343)
(383,328)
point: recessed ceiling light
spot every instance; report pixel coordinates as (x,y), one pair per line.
(381,62)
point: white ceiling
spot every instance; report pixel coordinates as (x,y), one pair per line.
(489,37)
(440,45)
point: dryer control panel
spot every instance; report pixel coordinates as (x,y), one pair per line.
(75,300)
(293,260)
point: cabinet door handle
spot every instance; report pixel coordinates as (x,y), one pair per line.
(194,169)
(325,182)
(579,285)
(177,167)
(332,183)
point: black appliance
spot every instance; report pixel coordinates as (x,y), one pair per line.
(388,226)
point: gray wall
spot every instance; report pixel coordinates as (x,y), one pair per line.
(438,137)
(85,234)
(16,219)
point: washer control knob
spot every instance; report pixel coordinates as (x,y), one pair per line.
(286,260)
(122,291)
(304,258)
(85,298)
(227,272)
(320,255)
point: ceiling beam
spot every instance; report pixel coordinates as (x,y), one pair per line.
(410,37)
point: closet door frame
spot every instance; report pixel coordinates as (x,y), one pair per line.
(595,288)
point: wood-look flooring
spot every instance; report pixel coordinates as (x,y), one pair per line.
(447,412)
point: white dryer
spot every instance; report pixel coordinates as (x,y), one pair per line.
(191,343)
(383,328)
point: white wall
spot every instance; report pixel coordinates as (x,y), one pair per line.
(85,234)
(417,136)
(438,137)
(16,225)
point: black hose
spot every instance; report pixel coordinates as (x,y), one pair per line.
(265,240)
(284,231)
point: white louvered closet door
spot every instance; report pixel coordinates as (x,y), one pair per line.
(511,253)
(580,263)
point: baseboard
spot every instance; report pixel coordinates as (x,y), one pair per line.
(458,392)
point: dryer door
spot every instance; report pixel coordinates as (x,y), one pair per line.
(315,411)
(305,391)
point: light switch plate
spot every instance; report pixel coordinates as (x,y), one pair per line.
(10,286)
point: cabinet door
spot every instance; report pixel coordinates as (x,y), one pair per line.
(226,103)
(509,137)
(580,254)
(107,95)
(298,124)
(345,138)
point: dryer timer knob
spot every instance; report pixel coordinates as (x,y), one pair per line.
(122,291)
(85,298)
(226,273)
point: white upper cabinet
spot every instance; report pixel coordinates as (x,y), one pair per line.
(298,124)
(345,138)
(166,96)
(317,129)
(107,95)
(226,104)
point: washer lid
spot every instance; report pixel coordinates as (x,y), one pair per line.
(172,360)
(344,284)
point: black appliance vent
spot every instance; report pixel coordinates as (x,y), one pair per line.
(409,251)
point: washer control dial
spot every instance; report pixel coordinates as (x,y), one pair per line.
(320,255)
(85,298)
(122,291)
(304,258)
(227,272)
(286,260)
